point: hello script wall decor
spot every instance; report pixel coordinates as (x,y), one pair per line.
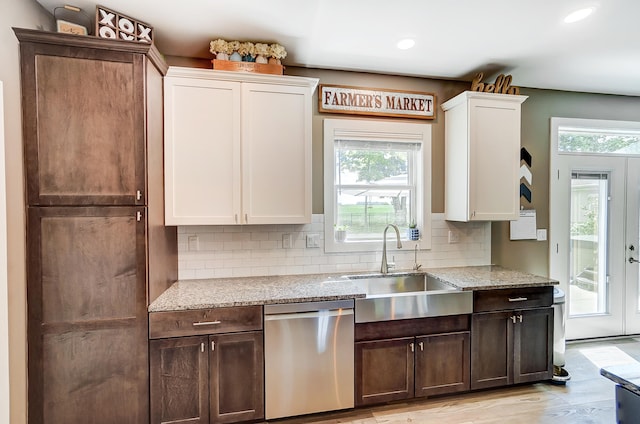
(501,86)
(114,25)
(375,101)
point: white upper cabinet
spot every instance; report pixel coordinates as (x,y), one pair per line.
(237,148)
(482,156)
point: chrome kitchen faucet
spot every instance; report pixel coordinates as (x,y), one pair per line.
(384,268)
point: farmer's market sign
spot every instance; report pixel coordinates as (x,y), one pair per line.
(373,101)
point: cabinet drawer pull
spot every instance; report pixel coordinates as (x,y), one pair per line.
(517,299)
(200,323)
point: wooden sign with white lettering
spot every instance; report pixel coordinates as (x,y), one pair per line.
(110,24)
(375,101)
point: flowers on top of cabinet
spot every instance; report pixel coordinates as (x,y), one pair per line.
(247,50)
(220,48)
(262,52)
(277,52)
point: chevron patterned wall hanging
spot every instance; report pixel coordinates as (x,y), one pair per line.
(526,178)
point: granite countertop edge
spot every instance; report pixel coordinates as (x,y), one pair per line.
(265,290)
(626,375)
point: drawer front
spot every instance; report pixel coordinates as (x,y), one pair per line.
(506,299)
(204,321)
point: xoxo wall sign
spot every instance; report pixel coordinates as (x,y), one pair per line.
(110,24)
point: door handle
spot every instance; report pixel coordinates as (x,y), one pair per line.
(632,260)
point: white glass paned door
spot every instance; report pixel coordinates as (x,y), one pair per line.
(632,252)
(595,238)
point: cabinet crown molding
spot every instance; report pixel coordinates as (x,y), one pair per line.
(208,74)
(467,95)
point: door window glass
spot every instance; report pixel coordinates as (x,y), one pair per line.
(589,229)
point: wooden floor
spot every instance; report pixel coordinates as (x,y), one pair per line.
(586,398)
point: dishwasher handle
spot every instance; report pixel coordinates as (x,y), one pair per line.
(312,314)
(288,308)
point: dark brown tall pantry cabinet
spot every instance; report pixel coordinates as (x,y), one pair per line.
(97,249)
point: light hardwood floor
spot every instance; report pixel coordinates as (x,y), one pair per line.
(586,398)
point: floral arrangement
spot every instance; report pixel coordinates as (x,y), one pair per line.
(262,49)
(248,50)
(276,51)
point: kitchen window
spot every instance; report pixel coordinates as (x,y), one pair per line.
(376,173)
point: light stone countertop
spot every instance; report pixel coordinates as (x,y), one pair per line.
(488,277)
(245,291)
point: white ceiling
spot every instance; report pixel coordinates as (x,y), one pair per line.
(454,38)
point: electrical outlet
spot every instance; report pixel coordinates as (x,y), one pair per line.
(454,237)
(287,241)
(194,243)
(541,235)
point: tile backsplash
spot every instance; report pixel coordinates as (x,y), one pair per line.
(253,250)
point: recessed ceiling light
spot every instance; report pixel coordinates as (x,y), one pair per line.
(405,44)
(579,15)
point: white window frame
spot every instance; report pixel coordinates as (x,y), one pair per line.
(388,131)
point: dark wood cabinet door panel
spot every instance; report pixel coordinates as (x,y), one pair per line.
(533,345)
(93,377)
(87,318)
(87,264)
(89,267)
(491,349)
(442,364)
(384,370)
(179,380)
(237,377)
(71,157)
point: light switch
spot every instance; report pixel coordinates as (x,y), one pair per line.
(454,237)
(541,235)
(313,240)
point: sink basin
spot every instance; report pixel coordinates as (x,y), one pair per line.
(376,284)
(406,296)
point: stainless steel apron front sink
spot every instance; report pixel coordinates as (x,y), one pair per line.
(406,295)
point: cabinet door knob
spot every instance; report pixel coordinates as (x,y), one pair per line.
(411,346)
(421,344)
(213,345)
(513,318)
(519,318)
(202,347)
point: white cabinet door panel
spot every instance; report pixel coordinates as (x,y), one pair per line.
(276,154)
(202,152)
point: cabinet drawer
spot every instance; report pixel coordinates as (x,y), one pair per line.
(204,321)
(504,299)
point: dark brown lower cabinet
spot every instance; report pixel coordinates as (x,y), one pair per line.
(511,347)
(402,368)
(207,379)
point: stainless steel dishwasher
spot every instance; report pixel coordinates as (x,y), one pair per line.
(308,350)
